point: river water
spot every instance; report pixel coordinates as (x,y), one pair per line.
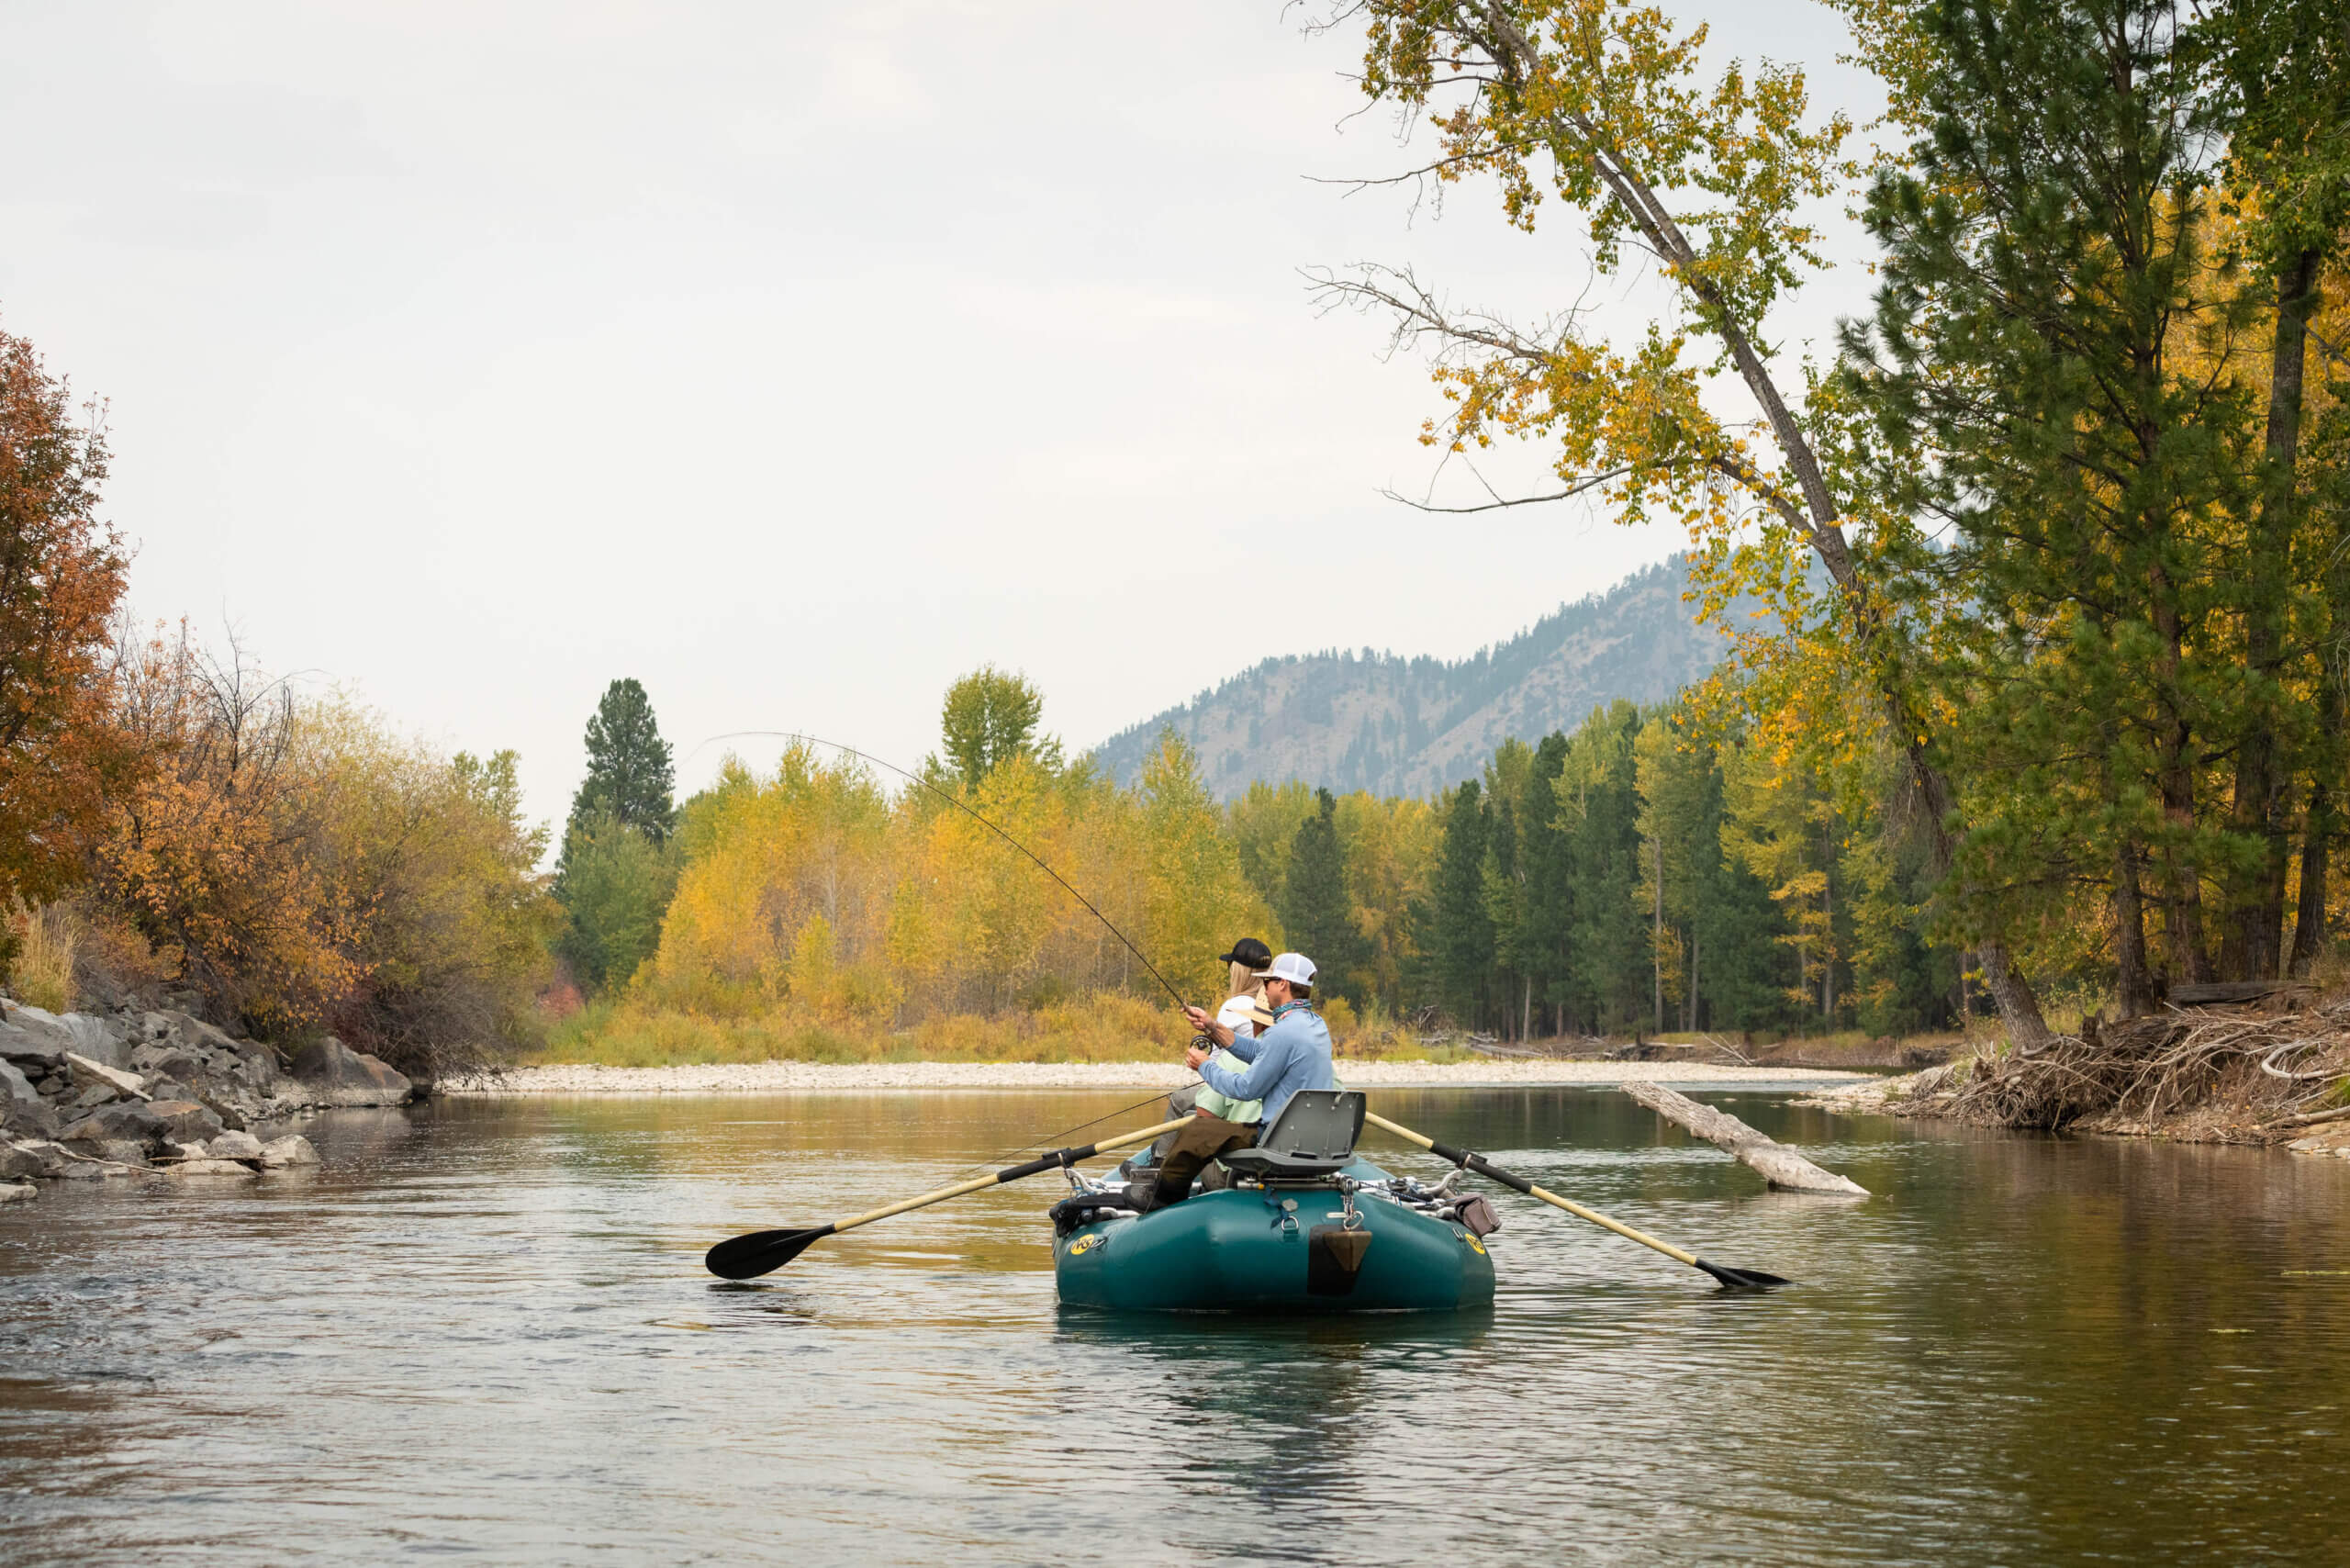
(483,1330)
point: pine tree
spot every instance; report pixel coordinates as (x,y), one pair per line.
(2039,368)
(630,776)
(1612,982)
(616,873)
(1458,938)
(1546,947)
(1316,912)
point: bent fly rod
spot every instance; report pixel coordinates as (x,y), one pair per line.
(762,1251)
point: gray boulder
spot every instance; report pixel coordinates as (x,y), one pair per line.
(27,1035)
(292,1150)
(95,1075)
(17,1191)
(259,1061)
(234,1145)
(166,1058)
(100,1039)
(125,1119)
(39,1016)
(184,1120)
(122,1151)
(35,1117)
(15,1085)
(208,1168)
(30,1158)
(333,1074)
(196,1034)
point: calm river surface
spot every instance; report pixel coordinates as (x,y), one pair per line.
(484,1329)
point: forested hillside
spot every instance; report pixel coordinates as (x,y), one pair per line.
(1407,726)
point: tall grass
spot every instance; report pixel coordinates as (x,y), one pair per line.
(41,969)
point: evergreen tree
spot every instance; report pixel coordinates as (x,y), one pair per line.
(1611,984)
(2281,72)
(1508,786)
(2040,367)
(1316,911)
(615,874)
(615,886)
(629,772)
(1458,940)
(1545,944)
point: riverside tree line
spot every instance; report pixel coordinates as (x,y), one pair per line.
(1646,871)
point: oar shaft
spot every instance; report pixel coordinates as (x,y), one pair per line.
(1056,1161)
(1484,1167)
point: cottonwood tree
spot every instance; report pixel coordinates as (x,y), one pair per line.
(1598,105)
(988,717)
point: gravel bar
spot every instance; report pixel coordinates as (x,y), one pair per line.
(771,1077)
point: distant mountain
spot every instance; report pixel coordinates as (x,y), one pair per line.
(1407,726)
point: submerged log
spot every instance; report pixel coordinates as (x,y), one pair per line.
(1780,1166)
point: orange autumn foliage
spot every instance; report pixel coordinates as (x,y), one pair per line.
(61,577)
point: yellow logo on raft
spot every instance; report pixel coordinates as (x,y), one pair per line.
(1083,1244)
(1474,1245)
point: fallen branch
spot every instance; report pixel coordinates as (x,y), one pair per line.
(2311,1118)
(1780,1166)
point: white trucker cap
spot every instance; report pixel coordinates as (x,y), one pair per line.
(1295,968)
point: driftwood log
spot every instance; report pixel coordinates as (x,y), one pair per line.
(1780,1166)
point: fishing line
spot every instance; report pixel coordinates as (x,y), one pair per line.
(960,805)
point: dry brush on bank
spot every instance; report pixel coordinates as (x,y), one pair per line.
(2194,1073)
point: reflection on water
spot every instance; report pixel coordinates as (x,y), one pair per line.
(483,1328)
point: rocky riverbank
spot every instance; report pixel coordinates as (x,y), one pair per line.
(84,1096)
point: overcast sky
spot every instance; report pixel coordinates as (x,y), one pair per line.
(792,359)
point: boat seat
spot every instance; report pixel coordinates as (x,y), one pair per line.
(1315,1136)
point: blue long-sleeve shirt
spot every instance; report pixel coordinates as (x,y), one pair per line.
(1294,1054)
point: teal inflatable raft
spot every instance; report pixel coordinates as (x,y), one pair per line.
(1306,1228)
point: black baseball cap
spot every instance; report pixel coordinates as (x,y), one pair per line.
(1248,951)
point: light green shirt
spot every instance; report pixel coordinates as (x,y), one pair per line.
(1234,1014)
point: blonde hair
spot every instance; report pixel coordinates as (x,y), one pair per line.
(1244,982)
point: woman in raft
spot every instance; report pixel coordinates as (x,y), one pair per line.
(1244,1013)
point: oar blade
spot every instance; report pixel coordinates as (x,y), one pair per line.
(761,1252)
(1743,1279)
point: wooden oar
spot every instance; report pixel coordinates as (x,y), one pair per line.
(748,1257)
(1739,1278)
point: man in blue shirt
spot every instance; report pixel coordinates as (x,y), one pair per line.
(1294,1054)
